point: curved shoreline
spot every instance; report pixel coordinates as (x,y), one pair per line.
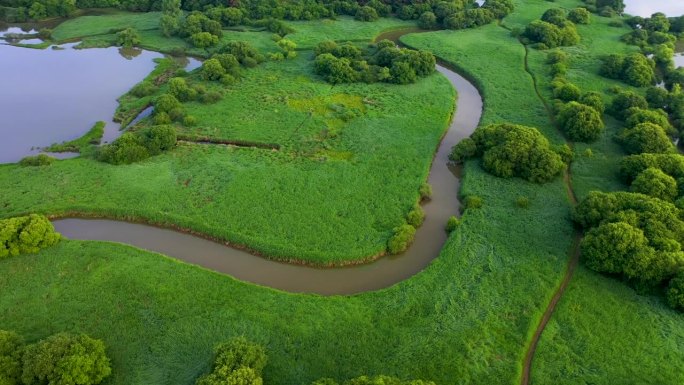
(295,277)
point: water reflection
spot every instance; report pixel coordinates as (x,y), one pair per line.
(40,106)
(130,52)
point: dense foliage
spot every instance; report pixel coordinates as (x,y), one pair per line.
(633,235)
(553,30)
(65,359)
(136,146)
(509,150)
(671,164)
(634,69)
(28,234)
(37,160)
(384,62)
(646,137)
(11,352)
(581,123)
(238,362)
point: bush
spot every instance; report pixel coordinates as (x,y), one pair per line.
(66,359)
(646,137)
(11,352)
(401,239)
(180,90)
(366,13)
(625,100)
(129,37)
(452,224)
(465,149)
(594,100)
(631,234)
(670,164)
(212,70)
(566,92)
(425,192)
(126,149)
(427,20)
(509,150)
(655,183)
(579,16)
(238,361)
(637,116)
(522,202)
(634,69)
(416,216)
(580,122)
(26,235)
(37,160)
(247,55)
(473,202)
(144,88)
(158,139)
(675,292)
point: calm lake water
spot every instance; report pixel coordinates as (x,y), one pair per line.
(646,8)
(50,96)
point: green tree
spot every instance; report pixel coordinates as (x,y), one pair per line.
(555,16)
(594,100)
(237,362)
(204,39)
(655,183)
(638,70)
(427,20)
(366,13)
(658,22)
(675,292)
(128,37)
(637,116)
(580,122)
(170,21)
(625,100)
(608,247)
(646,137)
(26,235)
(212,70)
(66,359)
(11,351)
(579,16)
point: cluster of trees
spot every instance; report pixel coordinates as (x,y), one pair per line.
(555,29)
(654,30)
(634,69)
(672,102)
(383,62)
(17,11)
(635,236)
(658,175)
(59,359)
(580,122)
(26,235)
(509,150)
(606,8)
(376,380)
(139,145)
(225,65)
(237,361)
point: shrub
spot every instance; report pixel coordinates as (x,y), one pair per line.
(522,202)
(675,292)
(36,160)
(366,13)
(509,150)
(634,69)
(126,149)
(247,55)
(579,16)
(144,88)
(646,137)
(129,37)
(473,202)
(11,352)
(427,20)
(624,101)
(554,16)
(416,216)
(670,164)
(238,361)
(425,192)
(465,149)
(655,183)
(452,224)
(637,116)
(158,139)
(401,239)
(26,235)
(212,70)
(566,92)
(180,90)
(594,100)
(229,62)
(166,103)
(580,122)
(66,359)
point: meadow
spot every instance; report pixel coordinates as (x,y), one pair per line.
(466,319)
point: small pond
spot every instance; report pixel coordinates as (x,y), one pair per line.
(54,95)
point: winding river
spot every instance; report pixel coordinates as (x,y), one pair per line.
(430,237)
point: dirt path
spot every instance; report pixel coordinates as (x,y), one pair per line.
(573,254)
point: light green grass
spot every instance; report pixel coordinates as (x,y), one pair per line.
(104,25)
(320,199)
(309,33)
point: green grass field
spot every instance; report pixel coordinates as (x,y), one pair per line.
(466,319)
